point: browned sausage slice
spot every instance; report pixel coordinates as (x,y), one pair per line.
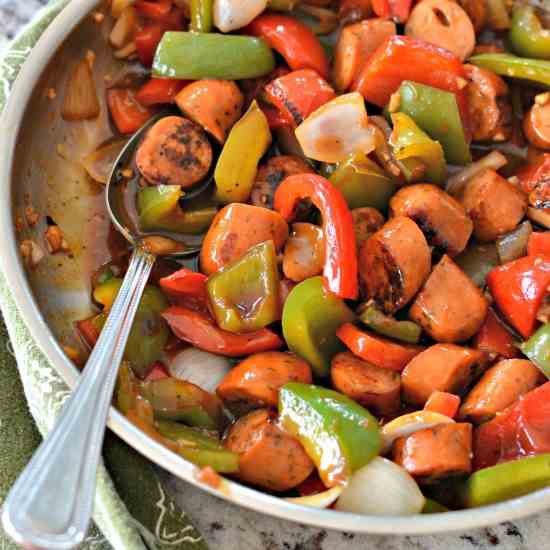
(270,458)
(373,387)
(499,387)
(304,255)
(442,367)
(256,381)
(393,263)
(536,124)
(175,151)
(434,453)
(365,222)
(235,229)
(441,217)
(477,12)
(450,307)
(494,204)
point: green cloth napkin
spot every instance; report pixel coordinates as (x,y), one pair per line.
(132,510)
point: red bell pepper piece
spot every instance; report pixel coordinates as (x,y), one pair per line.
(293,40)
(535,173)
(298,94)
(275,118)
(199,330)
(340,270)
(88,331)
(377,350)
(401,58)
(159,90)
(443,403)
(396,9)
(521,430)
(158,10)
(519,288)
(494,337)
(128,115)
(186,288)
(158,372)
(311,486)
(147,40)
(539,244)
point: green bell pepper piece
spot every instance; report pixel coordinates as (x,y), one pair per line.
(507,480)
(127,388)
(201,15)
(192,56)
(537,348)
(106,292)
(281,5)
(406,331)
(410,142)
(436,112)
(363,183)
(244,296)
(433,507)
(527,36)
(338,434)
(477,261)
(504,64)
(311,316)
(174,399)
(159,210)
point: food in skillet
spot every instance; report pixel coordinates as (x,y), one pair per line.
(366,325)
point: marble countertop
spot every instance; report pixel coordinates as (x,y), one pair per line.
(228,527)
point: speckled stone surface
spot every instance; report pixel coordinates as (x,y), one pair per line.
(231,528)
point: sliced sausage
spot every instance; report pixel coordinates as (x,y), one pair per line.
(450,307)
(304,255)
(434,453)
(494,204)
(443,23)
(441,217)
(270,457)
(536,124)
(477,12)
(235,229)
(442,367)
(373,387)
(366,221)
(272,173)
(499,387)
(175,151)
(394,263)
(488,105)
(255,382)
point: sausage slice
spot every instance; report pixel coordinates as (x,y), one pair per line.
(394,262)
(442,367)
(366,221)
(304,255)
(270,458)
(441,217)
(536,124)
(450,307)
(374,387)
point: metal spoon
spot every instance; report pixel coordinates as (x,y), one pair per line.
(51,503)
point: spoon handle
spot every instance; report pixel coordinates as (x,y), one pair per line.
(51,503)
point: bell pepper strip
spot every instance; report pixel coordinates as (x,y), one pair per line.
(311,486)
(404,331)
(158,9)
(504,64)
(199,330)
(298,94)
(443,403)
(158,372)
(519,288)
(186,288)
(293,40)
(126,389)
(146,40)
(398,10)
(539,244)
(477,261)
(340,271)
(201,15)
(436,112)
(506,481)
(363,183)
(159,210)
(244,297)
(513,245)
(159,90)
(192,56)
(175,399)
(127,113)
(90,329)
(338,434)
(410,142)
(275,118)
(534,178)
(537,348)
(377,350)
(311,316)
(527,36)
(493,337)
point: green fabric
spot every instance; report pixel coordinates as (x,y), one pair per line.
(140,515)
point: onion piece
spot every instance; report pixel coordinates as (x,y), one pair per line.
(456,183)
(230,15)
(513,245)
(381,488)
(118,6)
(407,424)
(337,130)
(318,500)
(201,368)
(99,164)
(124,28)
(540,216)
(80,101)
